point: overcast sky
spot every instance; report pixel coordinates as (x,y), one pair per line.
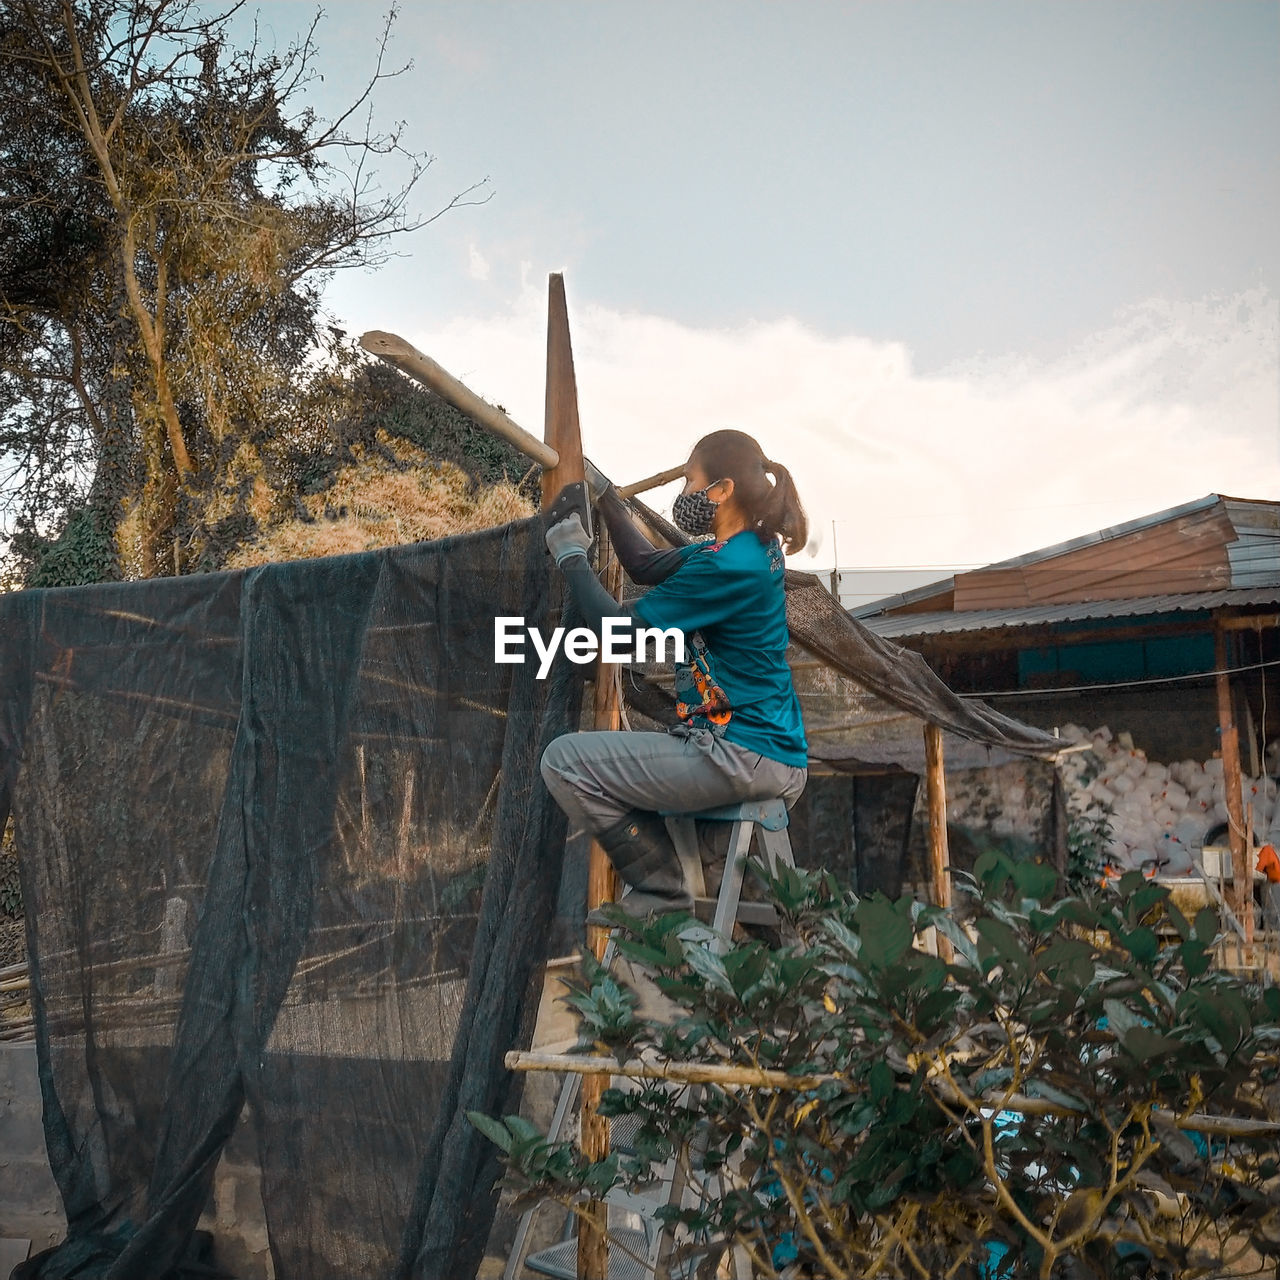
(986,275)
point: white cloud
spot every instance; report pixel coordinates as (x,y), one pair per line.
(983,460)
(477,263)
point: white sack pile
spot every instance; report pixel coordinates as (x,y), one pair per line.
(1156,811)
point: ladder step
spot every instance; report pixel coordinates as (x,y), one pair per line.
(561,1260)
(748,912)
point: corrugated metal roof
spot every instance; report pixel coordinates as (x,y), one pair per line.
(897,626)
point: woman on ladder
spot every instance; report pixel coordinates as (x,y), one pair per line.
(740,735)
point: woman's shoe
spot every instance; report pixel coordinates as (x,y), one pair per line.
(641,851)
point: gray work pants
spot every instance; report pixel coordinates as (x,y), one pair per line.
(598,777)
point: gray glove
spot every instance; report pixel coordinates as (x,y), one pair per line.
(568,538)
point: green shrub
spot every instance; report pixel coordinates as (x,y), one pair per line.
(1054,1102)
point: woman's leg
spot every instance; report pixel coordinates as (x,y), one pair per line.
(615,784)
(599,777)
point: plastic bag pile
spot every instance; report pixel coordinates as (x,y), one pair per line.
(1157,813)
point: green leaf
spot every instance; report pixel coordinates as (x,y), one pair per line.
(1206,927)
(1035,880)
(996,938)
(881,1080)
(1146,898)
(1179,922)
(1144,1043)
(1195,956)
(708,966)
(523,1130)
(950,928)
(1120,1018)
(992,870)
(1142,944)
(843,936)
(492,1129)
(885,933)
(1070,958)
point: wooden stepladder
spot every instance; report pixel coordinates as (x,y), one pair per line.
(645,1253)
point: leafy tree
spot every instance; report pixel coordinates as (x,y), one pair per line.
(1077,1094)
(172,209)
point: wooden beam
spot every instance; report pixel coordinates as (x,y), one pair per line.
(939,855)
(1249,622)
(1241,872)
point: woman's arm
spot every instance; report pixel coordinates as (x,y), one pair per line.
(645,564)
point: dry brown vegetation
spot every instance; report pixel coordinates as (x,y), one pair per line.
(373,503)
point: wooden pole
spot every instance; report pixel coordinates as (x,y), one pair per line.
(563,434)
(939,857)
(1241,872)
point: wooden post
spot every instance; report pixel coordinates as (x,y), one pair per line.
(563,434)
(602,886)
(602,880)
(1241,871)
(936,791)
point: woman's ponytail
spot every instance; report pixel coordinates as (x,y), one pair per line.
(783,514)
(772,510)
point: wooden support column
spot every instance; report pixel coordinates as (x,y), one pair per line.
(602,886)
(602,880)
(936,790)
(1241,871)
(563,434)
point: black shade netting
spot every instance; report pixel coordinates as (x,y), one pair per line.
(898,676)
(284,843)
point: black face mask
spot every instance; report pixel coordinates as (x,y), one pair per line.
(693,512)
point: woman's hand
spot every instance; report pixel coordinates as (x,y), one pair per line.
(568,538)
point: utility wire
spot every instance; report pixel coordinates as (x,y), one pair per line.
(1123,684)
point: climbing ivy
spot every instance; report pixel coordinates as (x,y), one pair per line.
(84,552)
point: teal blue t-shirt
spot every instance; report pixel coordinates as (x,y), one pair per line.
(728,599)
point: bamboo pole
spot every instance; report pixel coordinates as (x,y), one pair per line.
(735,1075)
(1241,872)
(651,482)
(408,359)
(939,854)
(728,1074)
